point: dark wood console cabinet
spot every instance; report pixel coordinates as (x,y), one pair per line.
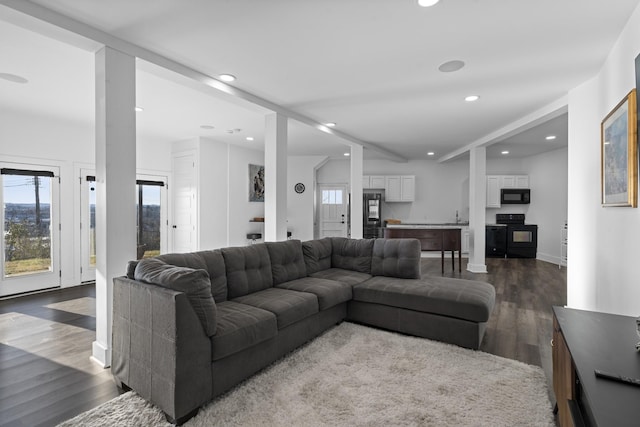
(433,239)
(584,341)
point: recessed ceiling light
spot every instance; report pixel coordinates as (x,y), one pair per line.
(13,78)
(249,138)
(347,154)
(505,152)
(431,153)
(227,77)
(471,98)
(208,127)
(451,66)
(139,109)
(330,125)
(427,3)
(550,137)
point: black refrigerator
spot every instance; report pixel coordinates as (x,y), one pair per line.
(372,215)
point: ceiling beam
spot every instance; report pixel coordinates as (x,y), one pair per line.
(544,114)
(89,32)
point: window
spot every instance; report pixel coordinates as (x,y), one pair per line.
(27,201)
(331,197)
(148,217)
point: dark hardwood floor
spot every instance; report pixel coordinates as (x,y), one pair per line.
(46,375)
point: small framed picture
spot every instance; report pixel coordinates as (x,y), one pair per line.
(256,183)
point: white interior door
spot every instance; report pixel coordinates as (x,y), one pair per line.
(185,209)
(30,247)
(332,205)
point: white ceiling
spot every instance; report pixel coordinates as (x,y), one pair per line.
(370,66)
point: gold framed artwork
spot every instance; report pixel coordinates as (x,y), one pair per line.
(619,153)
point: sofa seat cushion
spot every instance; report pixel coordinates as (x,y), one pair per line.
(328,292)
(463,299)
(241,326)
(348,277)
(288,306)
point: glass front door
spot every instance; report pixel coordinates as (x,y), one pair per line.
(30,235)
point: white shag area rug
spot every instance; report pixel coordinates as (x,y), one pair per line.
(354,375)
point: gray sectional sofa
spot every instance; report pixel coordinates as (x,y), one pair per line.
(188,327)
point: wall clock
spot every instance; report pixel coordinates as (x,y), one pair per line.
(299,187)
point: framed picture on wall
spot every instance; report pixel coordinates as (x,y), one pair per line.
(256,183)
(619,152)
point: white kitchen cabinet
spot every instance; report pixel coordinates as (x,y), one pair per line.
(497,182)
(508,181)
(374,181)
(408,188)
(377,181)
(493,191)
(514,181)
(522,181)
(393,189)
(400,188)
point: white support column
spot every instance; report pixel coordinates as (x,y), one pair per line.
(477,209)
(356,191)
(275,178)
(115,184)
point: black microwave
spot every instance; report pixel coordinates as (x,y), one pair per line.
(515,196)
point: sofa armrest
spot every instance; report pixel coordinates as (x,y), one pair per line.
(159,348)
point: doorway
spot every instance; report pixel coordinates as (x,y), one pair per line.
(332,206)
(151,219)
(30,228)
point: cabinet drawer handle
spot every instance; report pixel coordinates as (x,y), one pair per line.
(551,342)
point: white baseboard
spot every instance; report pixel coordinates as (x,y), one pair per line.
(101,355)
(548,258)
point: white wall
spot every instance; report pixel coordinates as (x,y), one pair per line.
(441,189)
(213,193)
(548,209)
(603,242)
(300,209)
(43,140)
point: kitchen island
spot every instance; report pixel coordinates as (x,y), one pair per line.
(433,237)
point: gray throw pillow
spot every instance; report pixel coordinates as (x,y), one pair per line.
(194,283)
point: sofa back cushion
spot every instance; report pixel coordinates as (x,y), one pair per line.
(287,261)
(351,254)
(211,261)
(193,282)
(248,269)
(396,258)
(317,255)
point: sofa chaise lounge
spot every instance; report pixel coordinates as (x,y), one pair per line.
(189,327)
